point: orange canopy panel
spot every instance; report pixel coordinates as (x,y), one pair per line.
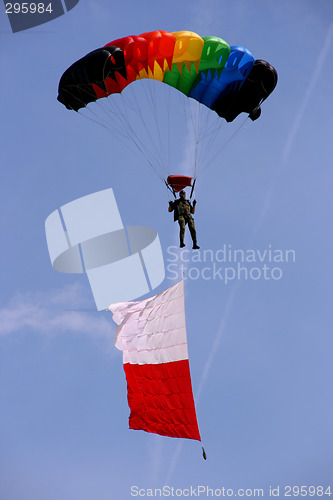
(179,182)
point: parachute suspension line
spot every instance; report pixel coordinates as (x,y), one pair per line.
(122,136)
(198,126)
(190,124)
(167,90)
(153,151)
(170,188)
(206,129)
(114,117)
(208,142)
(196,138)
(225,144)
(126,105)
(98,121)
(208,126)
(96,118)
(117,120)
(194,181)
(93,120)
(108,120)
(198,120)
(128,131)
(160,107)
(150,89)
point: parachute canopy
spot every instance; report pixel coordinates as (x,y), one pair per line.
(226,79)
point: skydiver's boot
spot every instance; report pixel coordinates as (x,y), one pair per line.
(195,246)
(182,244)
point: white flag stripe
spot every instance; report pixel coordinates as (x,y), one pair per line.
(152,331)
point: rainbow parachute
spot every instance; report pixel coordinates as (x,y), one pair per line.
(227,79)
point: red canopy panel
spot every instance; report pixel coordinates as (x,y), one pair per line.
(179,182)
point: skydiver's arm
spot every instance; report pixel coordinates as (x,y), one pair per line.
(171,206)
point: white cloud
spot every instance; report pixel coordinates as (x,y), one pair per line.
(54,312)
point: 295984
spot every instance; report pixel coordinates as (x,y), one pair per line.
(28,8)
(308,491)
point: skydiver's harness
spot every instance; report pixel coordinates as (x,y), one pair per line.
(175,206)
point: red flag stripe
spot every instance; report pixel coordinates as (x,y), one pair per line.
(161,400)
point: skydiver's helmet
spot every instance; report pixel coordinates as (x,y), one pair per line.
(182,194)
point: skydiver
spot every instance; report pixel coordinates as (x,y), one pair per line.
(183,213)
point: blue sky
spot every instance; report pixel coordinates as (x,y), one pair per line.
(260,349)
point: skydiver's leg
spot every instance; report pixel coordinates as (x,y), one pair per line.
(193,232)
(181,222)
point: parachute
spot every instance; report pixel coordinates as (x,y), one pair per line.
(225,79)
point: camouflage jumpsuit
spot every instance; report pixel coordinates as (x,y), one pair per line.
(183,207)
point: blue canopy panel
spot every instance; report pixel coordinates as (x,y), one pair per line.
(208,87)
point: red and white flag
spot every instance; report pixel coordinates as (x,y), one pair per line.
(152,336)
